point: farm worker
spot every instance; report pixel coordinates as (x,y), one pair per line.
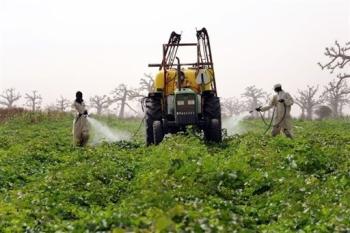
(282,102)
(80,125)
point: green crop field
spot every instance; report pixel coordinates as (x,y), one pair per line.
(249,183)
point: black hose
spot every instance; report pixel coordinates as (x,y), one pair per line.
(138,129)
(270,124)
(284,115)
(273,114)
(143,103)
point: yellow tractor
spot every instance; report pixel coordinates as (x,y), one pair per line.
(184,93)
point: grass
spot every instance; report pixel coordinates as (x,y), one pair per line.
(248,183)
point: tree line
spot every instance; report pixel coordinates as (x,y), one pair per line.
(120,99)
(328,101)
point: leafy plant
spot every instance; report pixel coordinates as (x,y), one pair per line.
(249,183)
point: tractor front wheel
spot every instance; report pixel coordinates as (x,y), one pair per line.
(214,130)
(153,113)
(158,133)
(212,114)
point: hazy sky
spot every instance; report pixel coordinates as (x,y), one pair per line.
(60,46)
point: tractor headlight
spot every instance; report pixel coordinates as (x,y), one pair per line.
(190,102)
(180,102)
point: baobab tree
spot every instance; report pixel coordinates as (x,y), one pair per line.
(9,97)
(101,103)
(146,83)
(62,104)
(336,94)
(34,100)
(232,106)
(339,59)
(122,95)
(307,101)
(254,96)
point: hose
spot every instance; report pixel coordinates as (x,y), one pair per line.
(270,124)
(138,129)
(273,114)
(143,103)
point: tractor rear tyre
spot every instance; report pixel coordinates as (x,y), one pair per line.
(214,130)
(153,113)
(211,107)
(158,132)
(212,114)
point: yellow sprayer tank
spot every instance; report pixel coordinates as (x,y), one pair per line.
(190,80)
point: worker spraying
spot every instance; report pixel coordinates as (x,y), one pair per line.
(80,125)
(282,120)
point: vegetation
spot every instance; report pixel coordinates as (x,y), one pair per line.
(249,183)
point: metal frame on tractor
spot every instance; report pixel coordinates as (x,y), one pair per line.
(204,54)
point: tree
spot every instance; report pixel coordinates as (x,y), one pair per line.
(33,100)
(336,91)
(254,96)
(146,83)
(232,106)
(306,100)
(323,112)
(9,97)
(62,104)
(336,95)
(101,103)
(339,58)
(122,94)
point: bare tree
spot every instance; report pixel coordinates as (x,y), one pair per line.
(339,58)
(254,96)
(307,101)
(62,104)
(101,103)
(33,100)
(9,97)
(122,95)
(336,95)
(232,106)
(146,83)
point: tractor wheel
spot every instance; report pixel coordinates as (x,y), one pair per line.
(206,134)
(212,114)
(214,130)
(158,133)
(211,107)
(153,113)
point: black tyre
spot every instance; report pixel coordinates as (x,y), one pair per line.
(214,130)
(212,115)
(211,107)
(158,133)
(153,113)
